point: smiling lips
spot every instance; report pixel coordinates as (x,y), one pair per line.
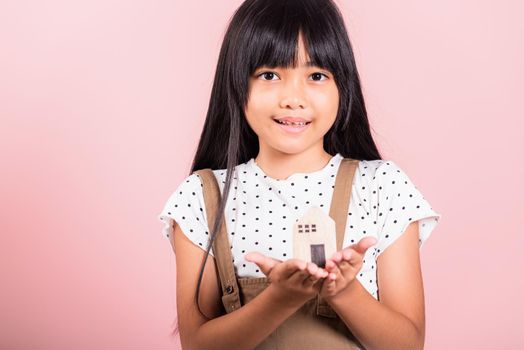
(292,120)
(292,124)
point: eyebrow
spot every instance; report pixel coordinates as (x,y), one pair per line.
(309,64)
(306,64)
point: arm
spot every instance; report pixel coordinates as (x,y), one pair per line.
(259,318)
(400,311)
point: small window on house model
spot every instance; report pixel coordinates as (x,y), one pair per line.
(306,228)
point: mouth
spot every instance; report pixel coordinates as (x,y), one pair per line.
(293,127)
(292,124)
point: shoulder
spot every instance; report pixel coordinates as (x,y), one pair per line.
(378,167)
(191,182)
(188,191)
(376,171)
(370,167)
(192,185)
(384,175)
(375,182)
(186,206)
(388,183)
(398,202)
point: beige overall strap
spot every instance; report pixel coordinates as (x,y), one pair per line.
(339,213)
(221,247)
(341,197)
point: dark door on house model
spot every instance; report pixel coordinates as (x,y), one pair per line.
(318,255)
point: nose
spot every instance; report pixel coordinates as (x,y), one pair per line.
(293,95)
(292,102)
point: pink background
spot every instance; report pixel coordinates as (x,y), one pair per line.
(101,106)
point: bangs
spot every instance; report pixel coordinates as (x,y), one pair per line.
(272,35)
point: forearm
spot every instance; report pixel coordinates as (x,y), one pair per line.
(246,327)
(374,324)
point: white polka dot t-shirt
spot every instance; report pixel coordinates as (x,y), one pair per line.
(260,211)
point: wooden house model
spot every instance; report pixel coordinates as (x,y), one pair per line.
(314,237)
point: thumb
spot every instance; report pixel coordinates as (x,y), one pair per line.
(265,263)
(365,243)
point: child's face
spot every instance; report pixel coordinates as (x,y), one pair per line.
(301,92)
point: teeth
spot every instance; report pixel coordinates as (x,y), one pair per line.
(292,123)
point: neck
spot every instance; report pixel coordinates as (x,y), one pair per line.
(280,165)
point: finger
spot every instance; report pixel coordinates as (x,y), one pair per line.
(316,270)
(330,265)
(266,264)
(344,265)
(364,244)
(333,270)
(337,267)
(312,268)
(315,273)
(333,276)
(252,256)
(293,265)
(309,280)
(351,257)
(299,276)
(329,284)
(321,273)
(337,256)
(347,253)
(314,281)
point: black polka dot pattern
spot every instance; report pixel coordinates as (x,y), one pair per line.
(261,211)
(399,203)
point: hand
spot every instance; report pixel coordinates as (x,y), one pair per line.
(343,266)
(293,281)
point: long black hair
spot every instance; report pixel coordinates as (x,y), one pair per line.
(265,33)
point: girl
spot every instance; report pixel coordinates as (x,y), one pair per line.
(286,108)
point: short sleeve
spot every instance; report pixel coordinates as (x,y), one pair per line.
(186,206)
(400,203)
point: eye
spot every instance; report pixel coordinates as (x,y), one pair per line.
(266,74)
(318,73)
(270,74)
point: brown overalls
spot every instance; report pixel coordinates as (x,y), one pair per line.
(315,325)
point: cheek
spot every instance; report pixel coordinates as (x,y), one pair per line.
(327,104)
(333,97)
(259,106)
(260,100)
(333,103)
